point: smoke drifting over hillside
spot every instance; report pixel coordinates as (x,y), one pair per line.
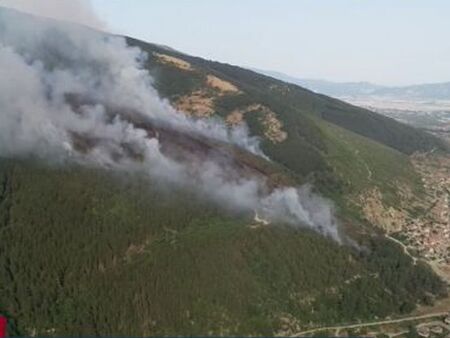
(71,94)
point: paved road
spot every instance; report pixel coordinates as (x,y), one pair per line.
(382,322)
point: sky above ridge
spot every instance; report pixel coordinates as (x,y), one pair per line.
(391,42)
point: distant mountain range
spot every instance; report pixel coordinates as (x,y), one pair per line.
(432,91)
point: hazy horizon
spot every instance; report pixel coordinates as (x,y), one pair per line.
(382,42)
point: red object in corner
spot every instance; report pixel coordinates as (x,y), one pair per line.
(3,324)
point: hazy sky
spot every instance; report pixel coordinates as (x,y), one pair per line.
(382,41)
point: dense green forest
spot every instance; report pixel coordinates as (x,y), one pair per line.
(88,253)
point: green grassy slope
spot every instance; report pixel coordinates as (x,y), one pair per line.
(88,253)
(361,163)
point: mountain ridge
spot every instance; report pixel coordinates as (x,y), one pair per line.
(430,91)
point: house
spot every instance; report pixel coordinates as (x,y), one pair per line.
(437,329)
(447,320)
(423,332)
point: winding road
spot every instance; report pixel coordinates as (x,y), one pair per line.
(405,248)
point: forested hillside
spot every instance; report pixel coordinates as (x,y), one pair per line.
(120,216)
(93,254)
(344,149)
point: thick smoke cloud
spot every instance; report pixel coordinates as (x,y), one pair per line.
(59,84)
(76,11)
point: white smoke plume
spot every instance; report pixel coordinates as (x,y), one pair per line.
(59,85)
(75,11)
